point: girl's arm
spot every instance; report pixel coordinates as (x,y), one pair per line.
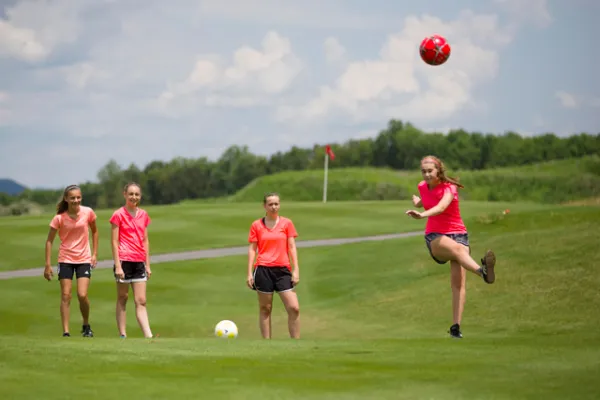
(293,253)
(114,245)
(49,240)
(147,247)
(439,207)
(251,257)
(95,236)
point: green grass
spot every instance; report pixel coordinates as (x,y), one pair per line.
(374,321)
(551,182)
(192,226)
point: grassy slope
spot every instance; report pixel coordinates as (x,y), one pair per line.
(374,320)
(551,182)
(192,226)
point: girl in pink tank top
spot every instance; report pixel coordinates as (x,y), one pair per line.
(131,256)
(446,235)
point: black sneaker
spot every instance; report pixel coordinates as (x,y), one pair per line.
(488,262)
(66,334)
(86,331)
(455,331)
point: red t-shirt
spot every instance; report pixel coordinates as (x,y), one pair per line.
(272,244)
(450,220)
(131,234)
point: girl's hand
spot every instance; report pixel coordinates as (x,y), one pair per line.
(48,273)
(119,272)
(416,200)
(414,214)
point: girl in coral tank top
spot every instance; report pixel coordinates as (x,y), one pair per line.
(273,265)
(73,223)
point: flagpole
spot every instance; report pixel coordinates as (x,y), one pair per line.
(325,178)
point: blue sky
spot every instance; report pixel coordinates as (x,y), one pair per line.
(84,81)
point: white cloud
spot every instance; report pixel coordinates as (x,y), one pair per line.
(566,99)
(334,51)
(524,11)
(20,43)
(77,76)
(80,75)
(249,79)
(33,29)
(399,83)
(573,100)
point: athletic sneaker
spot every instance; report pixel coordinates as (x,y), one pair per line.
(487,267)
(455,331)
(123,337)
(66,334)
(86,331)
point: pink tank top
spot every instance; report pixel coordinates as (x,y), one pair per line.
(131,234)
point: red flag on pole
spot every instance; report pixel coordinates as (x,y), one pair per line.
(330,152)
(328,155)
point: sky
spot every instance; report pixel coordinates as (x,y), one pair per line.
(86,81)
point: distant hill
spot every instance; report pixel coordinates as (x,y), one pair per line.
(11,187)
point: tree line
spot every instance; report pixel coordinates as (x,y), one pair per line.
(400,146)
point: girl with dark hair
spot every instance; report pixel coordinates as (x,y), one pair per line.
(73,222)
(273,265)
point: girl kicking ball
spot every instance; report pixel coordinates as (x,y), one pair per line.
(446,236)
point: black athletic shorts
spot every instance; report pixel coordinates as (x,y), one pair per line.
(134,271)
(462,238)
(67,270)
(272,279)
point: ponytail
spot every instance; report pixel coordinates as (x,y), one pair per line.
(453,181)
(62,206)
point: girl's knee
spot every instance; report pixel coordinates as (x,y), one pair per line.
(459,250)
(66,297)
(122,298)
(293,309)
(457,284)
(265,309)
(140,301)
(292,306)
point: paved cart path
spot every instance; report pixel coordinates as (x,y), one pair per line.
(213,253)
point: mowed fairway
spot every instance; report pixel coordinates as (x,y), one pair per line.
(193,226)
(374,322)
